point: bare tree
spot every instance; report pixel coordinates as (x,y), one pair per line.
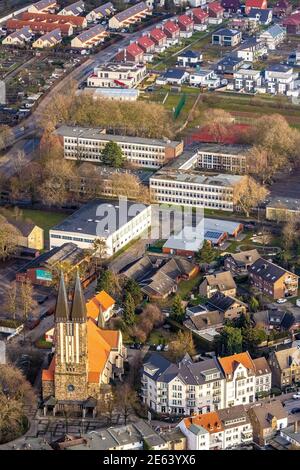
(218,122)
(11,300)
(9,239)
(247,194)
(27,302)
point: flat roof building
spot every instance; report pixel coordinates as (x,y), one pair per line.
(87,144)
(114,221)
(113,75)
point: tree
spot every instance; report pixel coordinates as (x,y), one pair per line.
(252,337)
(262,163)
(112,155)
(99,249)
(54,189)
(289,232)
(9,239)
(254,304)
(181,345)
(218,123)
(11,300)
(28,303)
(134,289)
(109,282)
(15,394)
(207,254)
(126,184)
(129,310)
(230,341)
(127,400)
(247,194)
(6,136)
(177,308)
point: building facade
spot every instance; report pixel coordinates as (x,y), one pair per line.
(113,75)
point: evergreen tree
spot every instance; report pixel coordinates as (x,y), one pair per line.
(105,282)
(177,308)
(112,155)
(129,310)
(230,341)
(134,289)
(207,253)
(254,304)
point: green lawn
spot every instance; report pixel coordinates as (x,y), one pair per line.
(185,287)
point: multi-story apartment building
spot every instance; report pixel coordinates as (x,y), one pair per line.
(129,16)
(182,388)
(263,375)
(240,380)
(199,387)
(114,75)
(273,280)
(210,192)
(87,144)
(107,220)
(279,79)
(285,367)
(219,430)
(238,263)
(247,80)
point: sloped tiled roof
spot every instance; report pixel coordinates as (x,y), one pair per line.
(230,363)
(100,301)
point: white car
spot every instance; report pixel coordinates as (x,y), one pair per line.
(296,396)
(281,301)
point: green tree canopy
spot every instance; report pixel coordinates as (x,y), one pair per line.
(177,308)
(129,310)
(112,155)
(230,341)
(134,289)
(207,253)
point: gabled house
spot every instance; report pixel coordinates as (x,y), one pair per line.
(267,420)
(273,36)
(43,6)
(261,16)
(263,375)
(19,38)
(75,9)
(230,306)
(89,38)
(147,46)
(272,280)
(285,367)
(261,4)
(159,38)
(229,64)
(231,6)
(251,50)
(220,282)
(186,25)
(292,24)
(101,307)
(105,10)
(172,31)
(132,53)
(238,263)
(216,13)
(200,18)
(50,39)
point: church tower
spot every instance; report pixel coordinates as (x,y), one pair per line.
(71,364)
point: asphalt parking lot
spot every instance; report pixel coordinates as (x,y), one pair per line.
(289,405)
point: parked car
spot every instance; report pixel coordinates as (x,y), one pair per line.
(281,301)
(295,410)
(296,396)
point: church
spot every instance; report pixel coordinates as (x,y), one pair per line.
(87,356)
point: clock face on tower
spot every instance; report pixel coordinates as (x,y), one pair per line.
(71,388)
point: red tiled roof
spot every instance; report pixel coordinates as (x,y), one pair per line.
(134,50)
(216,7)
(171,26)
(36,27)
(157,34)
(255,3)
(199,13)
(293,19)
(48,18)
(145,41)
(185,20)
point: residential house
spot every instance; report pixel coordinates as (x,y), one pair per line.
(101,307)
(292,23)
(281,209)
(273,36)
(197,3)
(280,79)
(172,31)
(39,27)
(285,367)
(18,38)
(175,76)
(204,78)
(267,419)
(219,282)
(275,319)
(291,434)
(75,9)
(226,37)
(30,235)
(74,21)
(261,4)
(43,6)
(216,13)
(159,38)
(114,75)
(231,6)
(182,388)
(239,371)
(230,306)
(146,44)
(89,38)
(189,58)
(228,65)
(129,16)
(50,39)
(239,263)
(218,430)
(263,373)
(103,11)
(200,18)
(251,50)
(132,53)
(186,25)
(263,17)
(272,280)
(282,8)
(204,322)
(247,80)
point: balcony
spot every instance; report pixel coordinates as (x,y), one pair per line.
(246,436)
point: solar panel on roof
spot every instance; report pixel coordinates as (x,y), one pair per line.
(213,234)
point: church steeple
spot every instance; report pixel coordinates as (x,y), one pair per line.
(62,312)
(78,311)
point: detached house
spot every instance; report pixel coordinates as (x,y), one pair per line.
(285,367)
(226,37)
(282,8)
(216,13)
(231,6)
(186,26)
(105,10)
(159,38)
(132,53)
(273,280)
(101,307)
(239,263)
(200,18)
(292,24)
(172,31)
(273,36)
(262,4)
(251,50)
(43,6)
(19,37)
(280,79)
(220,282)
(50,39)
(75,9)
(261,16)
(267,419)
(189,58)
(230,306)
